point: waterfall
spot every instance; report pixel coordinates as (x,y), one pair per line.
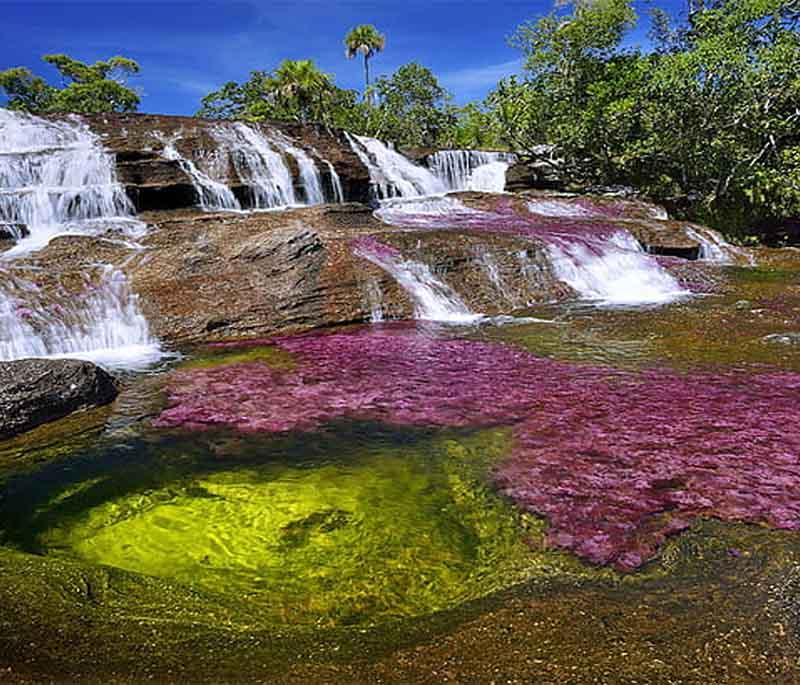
(310,177)
(607,266)
(489,266)
(55,178)
(211,194)
(433,299)
(714,248)
(336,183)
(261,168)
(612,271)
(374,298)
(471,169)
(391,174)
(260,162)
(104,325)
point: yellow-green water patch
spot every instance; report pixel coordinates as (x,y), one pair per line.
(382,532)
(217,356)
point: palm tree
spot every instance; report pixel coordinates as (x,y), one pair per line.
(302,81)
(365,40)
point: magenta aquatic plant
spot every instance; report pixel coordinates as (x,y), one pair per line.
(615,460)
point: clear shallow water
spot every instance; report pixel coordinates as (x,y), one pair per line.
(389,471)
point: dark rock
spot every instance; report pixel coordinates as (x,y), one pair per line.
(35,391)
(155,183)
(10,234)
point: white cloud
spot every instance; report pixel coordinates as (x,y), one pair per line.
(472,80)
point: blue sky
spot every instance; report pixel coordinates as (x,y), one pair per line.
(187,47)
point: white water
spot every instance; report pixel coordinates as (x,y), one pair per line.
(471,169)
(310,177)
(104,326)
(211,194)
(614,271)
(714,248)
(336,183)
(426,212)
(392,174)
(559,208)
(433,299)
(56,178)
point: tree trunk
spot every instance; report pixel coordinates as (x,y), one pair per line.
(367,94)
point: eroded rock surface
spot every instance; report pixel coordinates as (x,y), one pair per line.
(35,391)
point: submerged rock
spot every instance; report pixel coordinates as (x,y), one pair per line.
(35,391)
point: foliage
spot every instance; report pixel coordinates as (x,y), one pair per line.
(412,107)
(367,41)
(296,91)
(710,114)
(86,88)
(409,107)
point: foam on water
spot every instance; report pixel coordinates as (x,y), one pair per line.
(104,325)
(471,169)
(392,174)
(587,249)
(613,271)
(433,299)
(55,178)
(714,248)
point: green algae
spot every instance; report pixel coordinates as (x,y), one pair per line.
(270,355)
(367,534)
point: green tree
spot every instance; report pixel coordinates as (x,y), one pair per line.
(364,40)
(295,91)
(412,107)
(85,88)
(710,115)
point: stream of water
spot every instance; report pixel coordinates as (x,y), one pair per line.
(394,473)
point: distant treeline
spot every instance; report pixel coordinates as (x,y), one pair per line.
(708,117)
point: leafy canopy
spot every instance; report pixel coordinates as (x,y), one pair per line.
(86,88)
(710,117)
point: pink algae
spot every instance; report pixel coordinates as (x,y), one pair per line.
(616,461)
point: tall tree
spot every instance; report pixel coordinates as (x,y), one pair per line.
(364,40)
(86,88)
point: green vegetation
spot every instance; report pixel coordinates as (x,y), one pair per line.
(706,119)
(86,88)
(709,118)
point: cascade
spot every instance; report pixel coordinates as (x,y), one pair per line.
(391,174)
(714,248)
(259,166)
(433,299)
(336,183)
(105,325)
(471,169)
(612,270)
(310,177)
(212,194)
(602,264)
(56,178)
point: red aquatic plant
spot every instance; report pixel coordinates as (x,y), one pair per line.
(616,461)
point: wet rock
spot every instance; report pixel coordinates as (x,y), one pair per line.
(743,304)
(35,391)
(155,183)
(12,231)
